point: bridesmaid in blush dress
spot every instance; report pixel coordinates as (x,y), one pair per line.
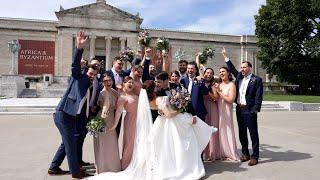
(227,93)
(212,151)
(106,149)
(128,101)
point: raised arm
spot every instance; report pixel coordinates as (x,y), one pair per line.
(146,63)
(120,105)
(230,65)
(166,64)
(75,66)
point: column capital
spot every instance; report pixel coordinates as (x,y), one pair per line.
(108,38)
(92,36)
(123,38)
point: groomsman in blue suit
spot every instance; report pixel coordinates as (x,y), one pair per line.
(73,104)
(116,72)
(197,88)
(248,99)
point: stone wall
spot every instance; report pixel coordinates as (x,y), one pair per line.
(11,85)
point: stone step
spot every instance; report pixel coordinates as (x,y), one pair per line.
(27,109)
(26,113)
(28,93)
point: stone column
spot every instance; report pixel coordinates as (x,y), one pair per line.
(241,50)
(92,46)
(108,52)
(122,47)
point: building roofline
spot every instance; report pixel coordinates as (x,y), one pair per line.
(194,32)
(28,20)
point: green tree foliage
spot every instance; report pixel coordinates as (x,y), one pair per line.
(288,33)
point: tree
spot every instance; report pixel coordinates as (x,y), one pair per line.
(288,33)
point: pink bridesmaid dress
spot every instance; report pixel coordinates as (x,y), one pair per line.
(228,146)
(130,104)
(212,151)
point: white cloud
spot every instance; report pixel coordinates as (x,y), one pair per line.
(237,19)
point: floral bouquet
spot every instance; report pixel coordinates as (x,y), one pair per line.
(96,125)
(162,44)
(179,99)
(144,39)
(206,53)
(127,55)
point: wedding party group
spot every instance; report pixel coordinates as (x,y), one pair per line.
(150,124)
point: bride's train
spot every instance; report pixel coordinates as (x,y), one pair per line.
(169,149)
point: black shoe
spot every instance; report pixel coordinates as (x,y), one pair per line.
(82,163)
(57,171)
(81,175)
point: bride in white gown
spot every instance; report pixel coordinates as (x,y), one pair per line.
(170,149)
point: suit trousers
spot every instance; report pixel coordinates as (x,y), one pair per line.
(66,126)
(81,132)
(248,120)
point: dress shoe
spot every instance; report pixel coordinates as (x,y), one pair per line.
(82,163)
(244,158)
(253,162)
(57,171)
(81,175)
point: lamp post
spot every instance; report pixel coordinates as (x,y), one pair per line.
(14,48)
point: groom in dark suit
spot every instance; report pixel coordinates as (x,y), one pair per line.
(248,100)
(198,89)
(73,105)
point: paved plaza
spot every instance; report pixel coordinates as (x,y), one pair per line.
(290,148)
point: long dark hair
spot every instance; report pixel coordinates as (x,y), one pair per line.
(149,86)
(229,76)
(212,79)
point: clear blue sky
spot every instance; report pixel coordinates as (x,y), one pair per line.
(216,16)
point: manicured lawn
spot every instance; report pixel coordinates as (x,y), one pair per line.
(299,98)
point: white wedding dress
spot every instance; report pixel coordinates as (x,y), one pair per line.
(170,149)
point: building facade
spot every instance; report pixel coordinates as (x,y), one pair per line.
(47,46)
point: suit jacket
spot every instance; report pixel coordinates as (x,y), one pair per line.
(254,90)
(77,87)
(197,103)
(146,75)
(122,74)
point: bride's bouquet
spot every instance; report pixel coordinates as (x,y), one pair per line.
(144,39)
(96,125)
(179,99)
(206,53)
(127,55)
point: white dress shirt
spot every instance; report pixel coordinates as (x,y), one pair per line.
(117,78)
(83,100)
(243,85)
(190,85)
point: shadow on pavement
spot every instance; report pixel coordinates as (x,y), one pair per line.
(271,153)
(218,167)
(268,154)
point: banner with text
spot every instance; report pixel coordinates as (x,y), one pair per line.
(36,57)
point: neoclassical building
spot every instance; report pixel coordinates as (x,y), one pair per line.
(47,46)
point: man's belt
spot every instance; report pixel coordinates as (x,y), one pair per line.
(242,106)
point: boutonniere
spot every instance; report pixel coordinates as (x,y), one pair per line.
(253,79)
(195,81)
